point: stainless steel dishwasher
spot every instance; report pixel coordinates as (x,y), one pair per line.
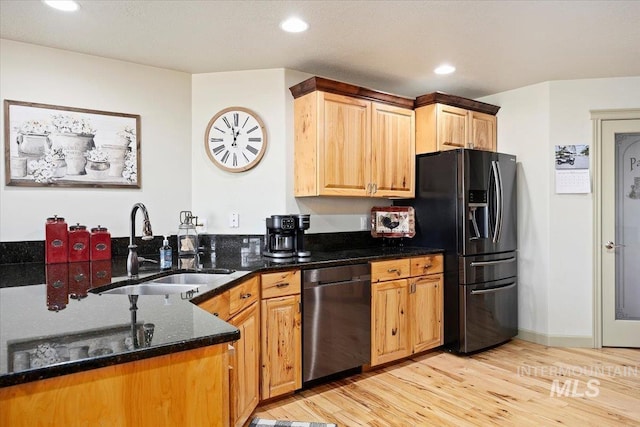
(336,324)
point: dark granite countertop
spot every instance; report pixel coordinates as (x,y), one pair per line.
(49,327)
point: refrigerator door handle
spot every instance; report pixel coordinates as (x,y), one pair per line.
(492,290)
(501,214)
(498,213)
(498,261)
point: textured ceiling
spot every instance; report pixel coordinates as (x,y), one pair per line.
(391,46)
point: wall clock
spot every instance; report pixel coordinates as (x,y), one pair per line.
(235,139)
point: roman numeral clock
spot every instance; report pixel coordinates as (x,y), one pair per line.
(235,139)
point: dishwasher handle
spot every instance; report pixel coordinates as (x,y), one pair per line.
(354,280)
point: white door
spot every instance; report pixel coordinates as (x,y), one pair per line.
(620,237)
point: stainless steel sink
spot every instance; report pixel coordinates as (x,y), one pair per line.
(152,288)
(187,279)
(178,283)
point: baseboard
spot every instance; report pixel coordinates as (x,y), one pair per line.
(556,340)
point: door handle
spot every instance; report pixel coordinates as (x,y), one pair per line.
(498,261)
(492,290)
(611,245)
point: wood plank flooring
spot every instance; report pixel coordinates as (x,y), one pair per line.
(518,383)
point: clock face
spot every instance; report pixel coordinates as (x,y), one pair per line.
(236,139)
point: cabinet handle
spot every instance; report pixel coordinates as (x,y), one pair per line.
(369,188)
(216,314)
(375,188)
(426,266)
(245,296)
(282,285)
(394,270)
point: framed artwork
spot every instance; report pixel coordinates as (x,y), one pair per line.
(393,221)
(54,146)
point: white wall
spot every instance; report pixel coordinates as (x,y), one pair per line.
(555,231)
(161,97)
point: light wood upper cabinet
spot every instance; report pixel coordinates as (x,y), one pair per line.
(349,144)
(406,307)
(281,330)
(483,131)
(393,151)
(445,122)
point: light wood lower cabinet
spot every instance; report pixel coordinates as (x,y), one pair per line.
(245,362)
(281,334)
(240,307)
(188,388)
(406,307)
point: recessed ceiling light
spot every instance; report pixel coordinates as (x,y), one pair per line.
(294,25)
(445,69)
(65,5)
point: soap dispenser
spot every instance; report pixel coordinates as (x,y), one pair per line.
(166,255)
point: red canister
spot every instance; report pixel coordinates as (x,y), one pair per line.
(56,240)
(78,243)
(100,243)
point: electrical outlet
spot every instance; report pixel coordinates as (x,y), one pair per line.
(234,220)
(364,223)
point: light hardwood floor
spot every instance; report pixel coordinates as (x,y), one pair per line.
(518,383)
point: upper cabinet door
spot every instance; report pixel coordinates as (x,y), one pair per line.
(344,145)
(452,127)
(482,135)
(392,151)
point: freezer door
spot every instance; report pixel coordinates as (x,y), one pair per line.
(487,213)
(488,314)
(487,268)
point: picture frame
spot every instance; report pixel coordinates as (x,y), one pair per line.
(393,221)
(56,146)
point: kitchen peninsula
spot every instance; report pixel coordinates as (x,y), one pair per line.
(176,371)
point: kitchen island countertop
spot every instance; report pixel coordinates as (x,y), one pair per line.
(47,331)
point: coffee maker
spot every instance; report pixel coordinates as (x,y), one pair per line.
(285,236)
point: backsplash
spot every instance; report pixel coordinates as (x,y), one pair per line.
(33,251)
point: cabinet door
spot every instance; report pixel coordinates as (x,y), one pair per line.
(452,127)
(392,151)
(245,380)
(426,311)
(344,126)
(281,346)
(482,134)
(390,334)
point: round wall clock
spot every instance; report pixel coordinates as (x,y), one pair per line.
(235,139)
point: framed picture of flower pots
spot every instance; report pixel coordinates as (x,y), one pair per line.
(54,146)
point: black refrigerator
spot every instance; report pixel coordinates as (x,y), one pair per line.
(466,204)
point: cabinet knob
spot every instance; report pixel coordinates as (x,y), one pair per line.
(245,296)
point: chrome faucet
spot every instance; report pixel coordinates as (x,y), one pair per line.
(147,234)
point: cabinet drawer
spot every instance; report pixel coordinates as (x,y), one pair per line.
(280,284)
(427,264)
(218,306)
(243,295)
(390,270)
